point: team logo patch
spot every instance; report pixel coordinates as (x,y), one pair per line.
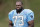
(31,16)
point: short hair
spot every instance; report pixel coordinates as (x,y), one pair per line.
(20,1)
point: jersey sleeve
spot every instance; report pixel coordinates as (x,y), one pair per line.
(30,16)
(10,17)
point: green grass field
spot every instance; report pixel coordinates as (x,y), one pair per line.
(8,5)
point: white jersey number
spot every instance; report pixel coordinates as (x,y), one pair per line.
(16,20)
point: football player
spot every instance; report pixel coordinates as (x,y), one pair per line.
(21,17)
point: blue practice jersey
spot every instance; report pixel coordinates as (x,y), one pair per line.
(21,19)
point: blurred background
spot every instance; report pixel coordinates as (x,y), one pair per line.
(7,5)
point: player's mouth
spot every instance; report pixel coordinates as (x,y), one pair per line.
(18,8)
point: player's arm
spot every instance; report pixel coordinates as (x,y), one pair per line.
(31,19)
(31,23)
(10,24)
(10,20)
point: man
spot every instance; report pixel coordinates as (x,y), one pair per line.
(21,17)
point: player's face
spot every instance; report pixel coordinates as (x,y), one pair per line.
(18,5)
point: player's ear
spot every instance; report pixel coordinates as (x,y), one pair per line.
(22,5)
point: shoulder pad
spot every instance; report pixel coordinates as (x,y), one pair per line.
(28,10)
(11,12)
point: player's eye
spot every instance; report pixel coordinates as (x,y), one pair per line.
(18,5)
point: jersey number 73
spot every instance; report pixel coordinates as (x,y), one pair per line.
(16,20)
